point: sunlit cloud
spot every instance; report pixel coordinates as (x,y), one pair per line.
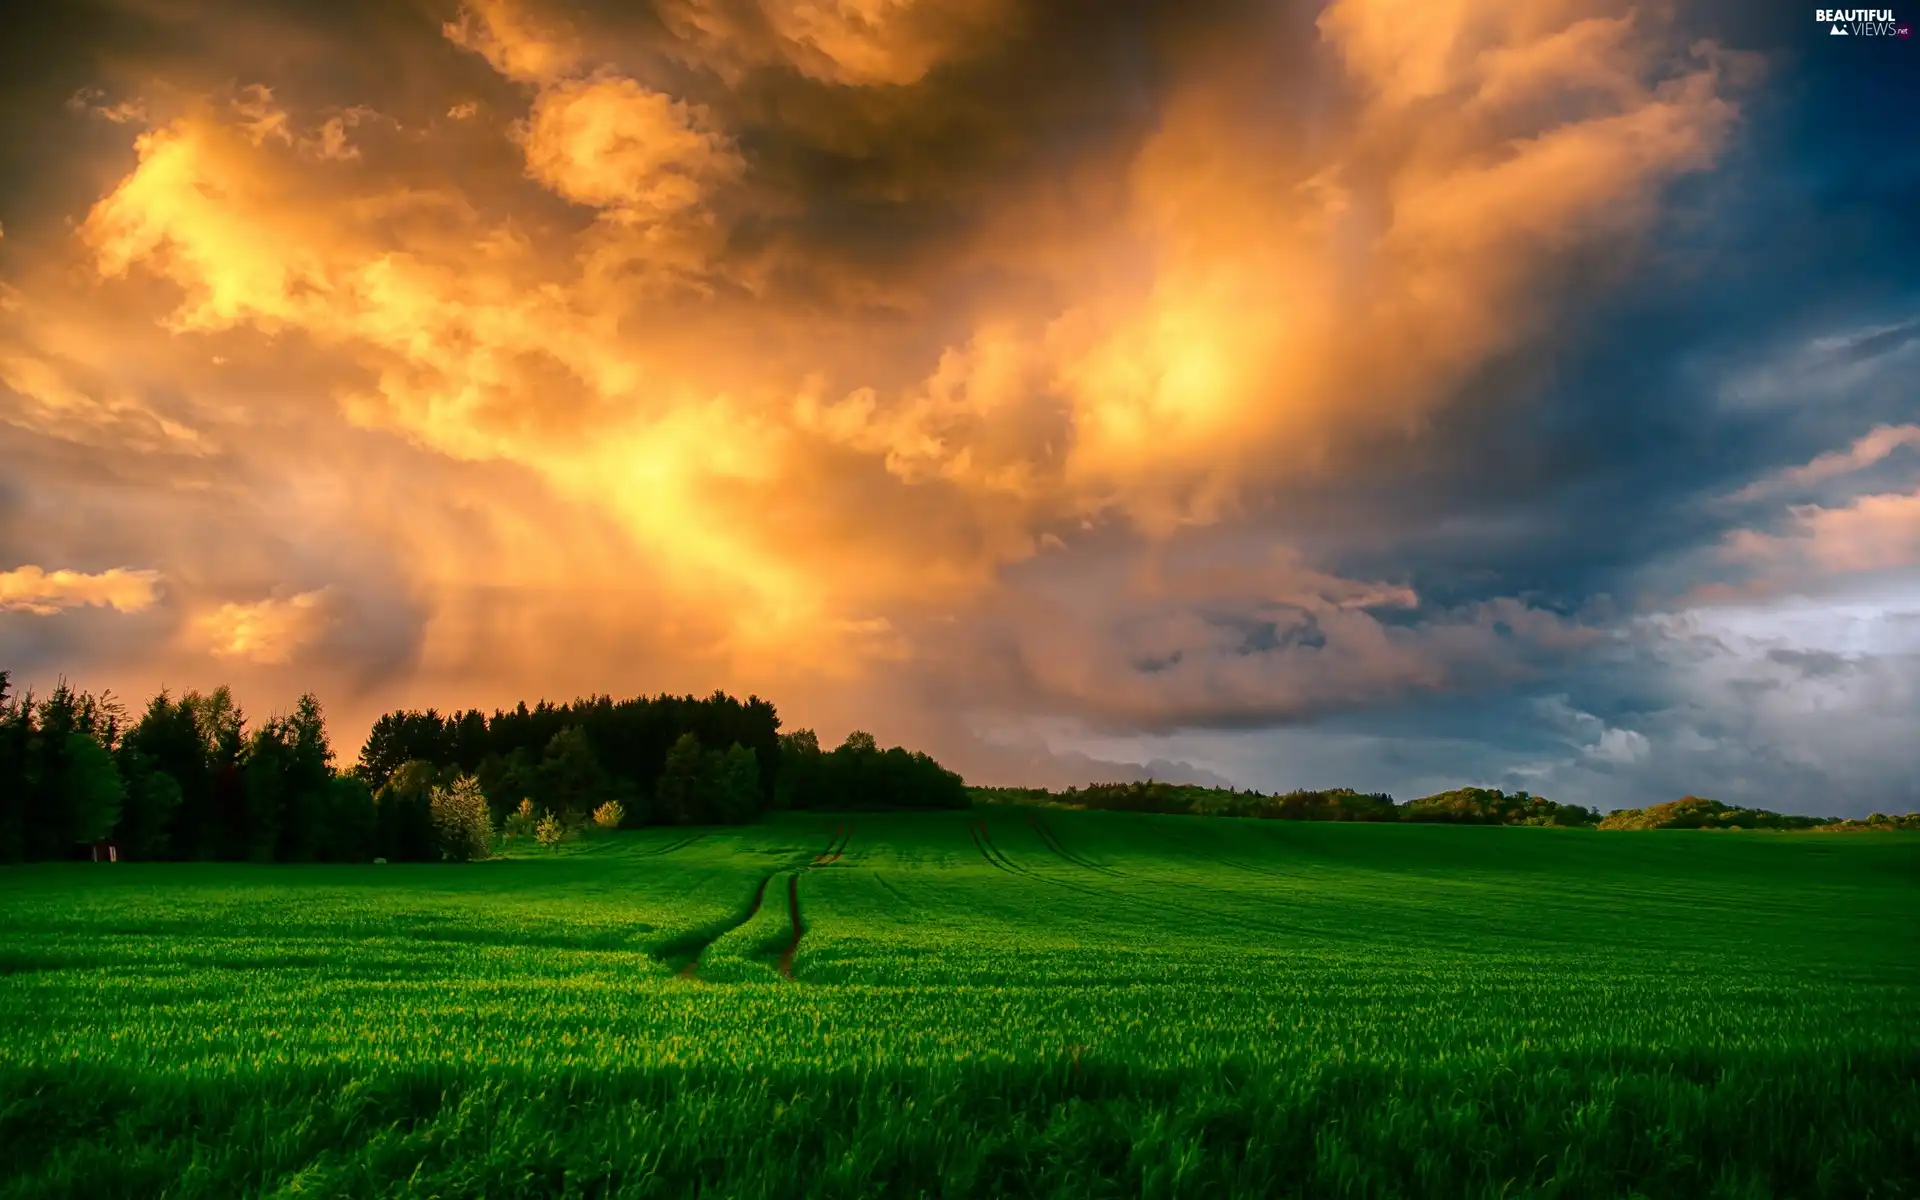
(31,589)
(1868,534)
(820,347)
(266,632)
(1872,447)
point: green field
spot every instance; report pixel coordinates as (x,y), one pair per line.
(992,1003)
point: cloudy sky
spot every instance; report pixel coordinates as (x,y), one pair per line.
(1397,395)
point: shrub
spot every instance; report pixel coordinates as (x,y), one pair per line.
(521,821)
(609,815)
(461,822)
(549,831)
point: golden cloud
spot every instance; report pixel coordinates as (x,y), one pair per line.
(514,41)
(266,632)
(858,43)
(637,154)
(34,590)
(760,380)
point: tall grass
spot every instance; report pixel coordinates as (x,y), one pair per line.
(1112,1005)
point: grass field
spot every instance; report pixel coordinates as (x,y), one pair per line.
(993,1003)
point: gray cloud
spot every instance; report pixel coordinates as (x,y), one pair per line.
(1235,391)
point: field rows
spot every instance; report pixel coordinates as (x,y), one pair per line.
(979,1003)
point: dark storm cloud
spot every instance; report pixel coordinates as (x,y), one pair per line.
(1151,370)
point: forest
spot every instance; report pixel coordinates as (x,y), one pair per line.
(189,778)
(1459,806)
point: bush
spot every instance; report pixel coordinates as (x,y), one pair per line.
(609,815)
(461,823)
(549,831)
(521,821)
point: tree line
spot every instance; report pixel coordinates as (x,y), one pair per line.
(190,778)
(1463,806)
(666,760)
(1460,806)
(1697,812)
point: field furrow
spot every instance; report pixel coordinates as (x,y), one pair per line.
(1230,1009)
(697,944)
(798,926)
(1053,843)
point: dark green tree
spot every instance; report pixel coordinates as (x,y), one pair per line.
(399,738)
(219,816)
(153,800)
(685,792)
(92,789)
(49,824)
(404,825)
(572,782)
(167,740)
(309,773)
(264,778)
(737,786)
(64,791)
(509,780)
(351,826)
(16,730)
(800,778)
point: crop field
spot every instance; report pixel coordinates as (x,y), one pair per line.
(998,1002)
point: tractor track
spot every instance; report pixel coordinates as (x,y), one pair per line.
(891,890)
(785,965)
(983,839)
(1053,843)
(835,848)
(1000,858)
(842,834)
(670,847)
(988,851)
(701,941)
(1190,846)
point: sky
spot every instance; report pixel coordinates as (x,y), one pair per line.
(1388,395)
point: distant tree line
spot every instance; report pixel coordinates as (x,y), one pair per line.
(188,778)
(1695,812)
(1462,806)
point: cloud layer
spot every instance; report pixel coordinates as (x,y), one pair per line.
(984,363)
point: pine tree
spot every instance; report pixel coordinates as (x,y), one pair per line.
(146,819)
(309,772)
(16,728)
(264,791)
